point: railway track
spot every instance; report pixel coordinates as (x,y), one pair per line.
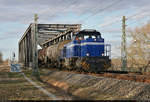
(123,75)
(102,72)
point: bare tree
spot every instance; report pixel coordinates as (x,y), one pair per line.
(116,63)
(139,49)
(1,57)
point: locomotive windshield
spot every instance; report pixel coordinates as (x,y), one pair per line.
(86,35)
(91,36)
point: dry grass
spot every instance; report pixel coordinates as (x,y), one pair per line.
(14,87)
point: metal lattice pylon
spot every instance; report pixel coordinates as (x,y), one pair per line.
(123,46)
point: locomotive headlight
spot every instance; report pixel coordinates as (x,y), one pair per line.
(87,54)
(102,54)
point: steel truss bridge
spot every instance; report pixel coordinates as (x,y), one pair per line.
(47,34)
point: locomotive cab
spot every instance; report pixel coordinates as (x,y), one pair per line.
(89,43)
(88,34)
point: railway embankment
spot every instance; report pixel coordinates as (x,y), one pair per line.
(93,87)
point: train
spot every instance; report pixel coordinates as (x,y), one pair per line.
(86,51)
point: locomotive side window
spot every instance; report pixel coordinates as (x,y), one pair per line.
(79,37)
(98,36)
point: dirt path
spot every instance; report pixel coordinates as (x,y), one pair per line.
(50,95)
(13,86)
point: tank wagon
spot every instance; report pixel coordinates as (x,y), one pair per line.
(85,52)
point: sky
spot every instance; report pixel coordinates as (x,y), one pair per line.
(102,15)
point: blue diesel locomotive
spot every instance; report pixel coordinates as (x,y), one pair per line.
(85,52)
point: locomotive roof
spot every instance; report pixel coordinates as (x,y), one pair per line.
(89,31)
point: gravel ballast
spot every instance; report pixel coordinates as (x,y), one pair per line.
(92,87)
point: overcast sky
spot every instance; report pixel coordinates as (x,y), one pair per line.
(102,15)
